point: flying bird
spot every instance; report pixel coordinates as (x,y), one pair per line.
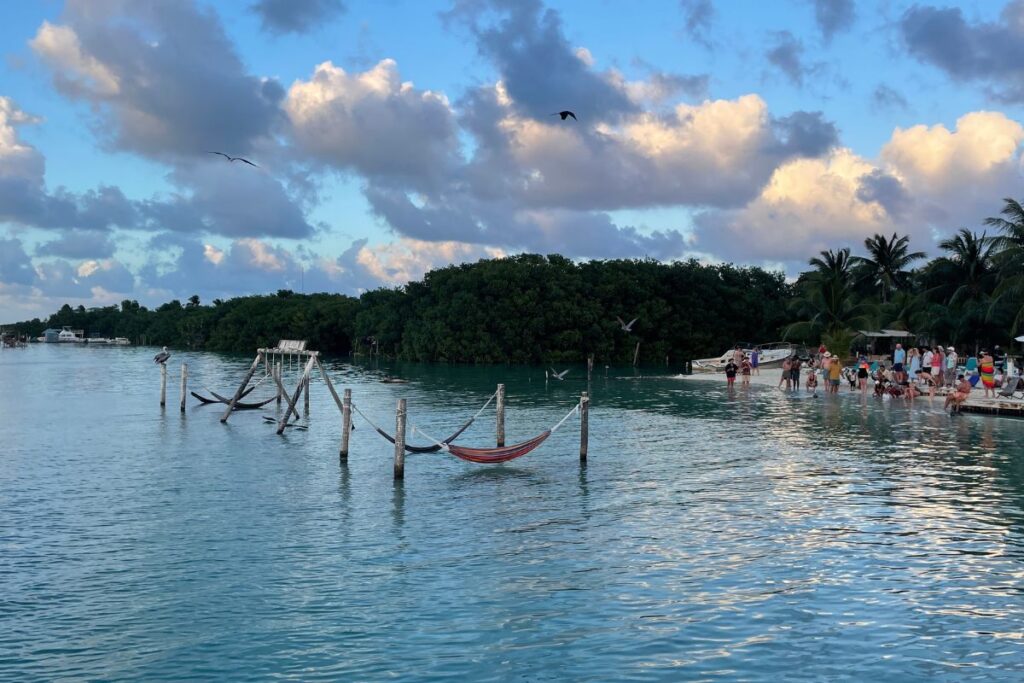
(559,375)
(161,357)
(626,327)
(231,158)
(566,114)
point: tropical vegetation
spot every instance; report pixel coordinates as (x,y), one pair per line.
(532,308)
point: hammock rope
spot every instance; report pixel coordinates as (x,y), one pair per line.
(502,453)
(427,449)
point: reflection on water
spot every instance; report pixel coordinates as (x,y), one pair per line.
(746,535)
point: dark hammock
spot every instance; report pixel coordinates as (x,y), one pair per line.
(497,455)
(239,405)
(426,449)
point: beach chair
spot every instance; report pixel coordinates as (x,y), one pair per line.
(1012,387)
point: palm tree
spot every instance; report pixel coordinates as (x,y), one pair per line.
(886,266)
(1009,257)
(965,279)
(826,299)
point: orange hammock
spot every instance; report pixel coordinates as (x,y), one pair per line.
(496,455)
(493,456)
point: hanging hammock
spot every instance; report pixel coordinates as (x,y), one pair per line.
(239,405)
(427,449)
(493,456)
(437,446)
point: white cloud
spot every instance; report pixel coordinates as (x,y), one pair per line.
(60,47)
(373,123)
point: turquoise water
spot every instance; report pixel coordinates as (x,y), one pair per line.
(750,536)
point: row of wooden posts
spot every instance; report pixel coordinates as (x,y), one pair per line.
(345,405)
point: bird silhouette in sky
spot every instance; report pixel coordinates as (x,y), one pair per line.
(559,375)
(626,327)
(231,158)
(566,114)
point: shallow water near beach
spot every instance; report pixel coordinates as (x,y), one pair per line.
(745,535)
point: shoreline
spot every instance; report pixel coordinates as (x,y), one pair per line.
(770,379)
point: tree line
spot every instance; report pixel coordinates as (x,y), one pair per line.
(521,309)
(549,309)
(971,295)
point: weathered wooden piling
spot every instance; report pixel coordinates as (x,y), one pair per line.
(636,354)
(241,387)
(277,380)
(590,366)
(295,399)
(500,416)
(584,425)
(163,384)
(184,384)
(400,440)
(346,423)
(305,396)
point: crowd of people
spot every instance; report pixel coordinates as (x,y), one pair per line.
(908,373)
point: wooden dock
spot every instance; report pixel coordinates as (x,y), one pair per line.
(1004,407)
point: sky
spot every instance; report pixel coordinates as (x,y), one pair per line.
(390,137)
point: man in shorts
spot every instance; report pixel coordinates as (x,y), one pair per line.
(899,357)
(835,374)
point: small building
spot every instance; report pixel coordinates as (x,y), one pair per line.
(882,342)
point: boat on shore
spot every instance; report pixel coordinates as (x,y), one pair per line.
(769,356)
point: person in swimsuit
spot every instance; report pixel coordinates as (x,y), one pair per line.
(787,365)
(835,374)
(862,372)
(745,369)
(755,359)
(987,367)
(794,373)
(730,373)
(812,382)
(956,397)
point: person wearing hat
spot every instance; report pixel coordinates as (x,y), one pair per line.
(951,360)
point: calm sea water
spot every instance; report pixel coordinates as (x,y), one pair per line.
(750,536)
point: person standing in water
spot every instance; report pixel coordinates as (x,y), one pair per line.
(755,360)
(730,373)
(787,365)
(745,369)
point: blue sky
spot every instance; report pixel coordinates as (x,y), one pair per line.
(395,136)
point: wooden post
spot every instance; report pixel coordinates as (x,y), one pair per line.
(184,384)
(295,399)
(500,420)
(241,387)
(277,379)
(400,440)
(163,384)
(636,354)
(590,366)
(584,425)
(283,392)
(329,383)
(305,396)
(346,423)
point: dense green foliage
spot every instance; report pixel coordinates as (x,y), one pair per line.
(971,296)
(548,309)
(521,309)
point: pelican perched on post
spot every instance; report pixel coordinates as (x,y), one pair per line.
(161,357)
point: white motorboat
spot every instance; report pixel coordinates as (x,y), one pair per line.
(769,356)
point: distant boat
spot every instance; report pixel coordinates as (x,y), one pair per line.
(768,356)
(70,336)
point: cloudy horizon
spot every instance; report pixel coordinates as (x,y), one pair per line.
(391,138)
